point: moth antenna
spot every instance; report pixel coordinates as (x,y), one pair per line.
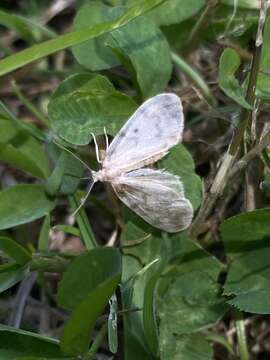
(83,200)
(106,138)
(74,155)
(96,148)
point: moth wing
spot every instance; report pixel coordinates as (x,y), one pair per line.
(157,196)
(155,127)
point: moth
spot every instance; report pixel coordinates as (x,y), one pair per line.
(155,195)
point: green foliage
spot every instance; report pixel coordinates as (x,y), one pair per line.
(20,344)
(138,43)
(165,291)
(20,149)
(228,65)
(185,347)
(46,48)
(174,11)
(84,104)
(11,274)
(247,238)
(101,271)
(31,203)
(246,232)
(263,82)
(14,250)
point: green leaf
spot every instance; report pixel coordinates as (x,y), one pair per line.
(85,103)
(77,331)
(249,272)
(11,275)
(31,204)
(17,23)
(257,301)
(191,303)
(140,41)
(175,11)
(185,347)
(23,151)
(228,64)
(14,250)
(144,244)
(102,57)
(36,52)
(15,343)
(55,179)
(43,239)
(263,81)
(8,129)
(18,125)
(95,267)
(101,271)
(180,162)
(246,232)
(135,343)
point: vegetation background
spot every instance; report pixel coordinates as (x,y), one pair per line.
(103,284)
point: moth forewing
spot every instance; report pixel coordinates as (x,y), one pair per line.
(147,136)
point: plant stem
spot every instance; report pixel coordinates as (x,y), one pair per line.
(52,263)
(96,343)
(200,25)
(241,336)
(195,77)
(222,175)
(35,111)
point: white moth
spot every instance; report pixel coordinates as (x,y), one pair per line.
(155,195)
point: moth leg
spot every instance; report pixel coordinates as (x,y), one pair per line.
(83,200)
(106,137)
(96,149)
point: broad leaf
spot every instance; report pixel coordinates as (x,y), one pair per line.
(257,301)
(84,104)
(246,232)
(101,57)
(140,42)
(249,272)
(185,347)
(23,203)
(185,309)
(77,331)
(95,267)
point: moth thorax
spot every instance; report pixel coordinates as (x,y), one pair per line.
(105,175)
